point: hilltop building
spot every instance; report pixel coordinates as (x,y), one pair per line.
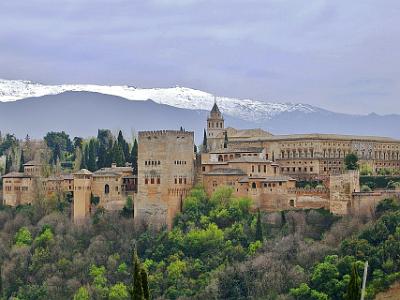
(165,173)
(253,162)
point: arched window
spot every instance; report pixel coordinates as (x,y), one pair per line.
(106,189)
(253,185)
(220,158)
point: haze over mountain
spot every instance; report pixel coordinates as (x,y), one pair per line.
(34,109)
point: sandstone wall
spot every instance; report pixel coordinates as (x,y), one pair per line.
(165,175)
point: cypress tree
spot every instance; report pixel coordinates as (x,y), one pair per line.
(118,155)
(21,162)
(8,164)
(137,289)
(259,231)
(124,146)
(85,156)
(354,287)
(1,281)
(226,140)
(134,157)
(205,141)
(145,284)
(91,159)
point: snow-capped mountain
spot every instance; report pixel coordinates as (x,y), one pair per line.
(180,97)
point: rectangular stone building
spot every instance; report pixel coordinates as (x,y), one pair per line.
(165,175)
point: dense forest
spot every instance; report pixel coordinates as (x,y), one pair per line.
(218,249)
(60,154)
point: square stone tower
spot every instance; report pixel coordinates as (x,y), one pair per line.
(165,175)
(215,129)
(82,194)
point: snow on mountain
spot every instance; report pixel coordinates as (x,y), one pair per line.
(181,97)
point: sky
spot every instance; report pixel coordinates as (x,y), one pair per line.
(339,55)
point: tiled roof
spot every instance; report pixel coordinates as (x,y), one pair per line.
(319,136)
(83,172)
(16,175)
(267,179)
(239,150)
(250,159)
(32,163)
(226,171)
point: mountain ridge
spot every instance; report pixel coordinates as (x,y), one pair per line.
(90,110)
(181,97)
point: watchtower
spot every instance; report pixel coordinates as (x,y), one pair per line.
(165,175)
(215,129)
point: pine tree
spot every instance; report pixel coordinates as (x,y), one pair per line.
(137,288)
(145,284)
(259,231)
(354,287)
(134,157)
(22,162)
(205,141)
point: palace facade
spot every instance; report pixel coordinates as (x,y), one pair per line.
(253,162)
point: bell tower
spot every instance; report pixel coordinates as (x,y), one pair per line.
(215,128)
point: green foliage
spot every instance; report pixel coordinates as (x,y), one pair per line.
(304,292)
(354,287)
(9,142)
(91,163)
(211,253)
(387,205)
(137,288)
(99,280)
(118,155)
(378,182)
(45,237)
(124,146)
(351,161)
(145,283)
(204,148)
(134,157)
(379,244)
(365,189)
(366,170)
(118,291)
(259,230)
(222,196)
(23,237)
(253,247)
(127,210)
(82,294)
(58,142)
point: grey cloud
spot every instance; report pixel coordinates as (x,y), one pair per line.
(300,51)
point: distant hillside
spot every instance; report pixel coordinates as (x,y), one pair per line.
(82,113)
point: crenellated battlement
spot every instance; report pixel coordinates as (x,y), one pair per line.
(151,133)
(309,191)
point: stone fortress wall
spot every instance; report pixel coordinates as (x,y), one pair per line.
(165,175)
(253,162)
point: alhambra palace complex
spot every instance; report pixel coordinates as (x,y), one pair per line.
(254,163)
